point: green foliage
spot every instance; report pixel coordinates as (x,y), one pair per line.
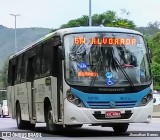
(154,44)
(156,75)
(108,18)
(83,21)
(124,23)
(105,18)
(3,75)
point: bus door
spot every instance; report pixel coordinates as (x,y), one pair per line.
(59,83)
(30,75)
(57,72)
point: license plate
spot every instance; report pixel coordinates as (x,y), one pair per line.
(113,114)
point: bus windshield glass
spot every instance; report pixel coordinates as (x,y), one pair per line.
(104,59)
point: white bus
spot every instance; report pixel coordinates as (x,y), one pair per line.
(82,75)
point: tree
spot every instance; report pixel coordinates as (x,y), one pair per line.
(105,18)
(155,24)
(154,44)
(3,75)
(108,18)
(124,23)
(156,75)
(83,21)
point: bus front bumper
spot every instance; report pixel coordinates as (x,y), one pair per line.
(79,115)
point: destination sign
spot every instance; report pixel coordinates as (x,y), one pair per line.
(105,41)
(87,74)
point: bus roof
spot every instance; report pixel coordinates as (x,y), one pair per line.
(86,29)
(96,29)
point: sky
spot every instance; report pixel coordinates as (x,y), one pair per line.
(54,13)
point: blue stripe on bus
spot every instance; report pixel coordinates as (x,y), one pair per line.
(125,100)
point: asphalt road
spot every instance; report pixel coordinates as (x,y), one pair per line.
(135,131)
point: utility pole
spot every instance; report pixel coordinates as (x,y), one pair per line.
(15,16)
(90,14)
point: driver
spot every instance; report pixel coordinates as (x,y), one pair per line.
(129,59)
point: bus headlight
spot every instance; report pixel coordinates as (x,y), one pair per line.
(146,99)
(74,99)
(77,102)
(70,97)
(149,96)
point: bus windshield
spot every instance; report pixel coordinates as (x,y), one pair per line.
(106,59)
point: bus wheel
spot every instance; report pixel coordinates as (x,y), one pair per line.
(3,115)
(20,122)
(120,128)
(29,125)
(49,120)
(50,126)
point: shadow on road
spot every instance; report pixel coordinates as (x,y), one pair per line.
(80,132)
(4,117)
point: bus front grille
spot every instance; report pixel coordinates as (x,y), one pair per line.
(107,105)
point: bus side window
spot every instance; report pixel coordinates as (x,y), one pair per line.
(57,57)
(31,65)
(38,62)
(55,62)
(12,74)
(13,77)
(9,79)
(30,69)
(47,59)
(23,69)
(19,69)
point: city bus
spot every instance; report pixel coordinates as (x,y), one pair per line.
(82,75)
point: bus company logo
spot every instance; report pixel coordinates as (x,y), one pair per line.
(82,65)
(112,104)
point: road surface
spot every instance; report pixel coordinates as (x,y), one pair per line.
(135,131)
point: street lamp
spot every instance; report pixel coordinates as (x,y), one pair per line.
(90,16)
(15,31)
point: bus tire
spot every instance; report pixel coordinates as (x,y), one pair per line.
(50,126)
(120,128)
(30,126)
(20,122)
(3,115)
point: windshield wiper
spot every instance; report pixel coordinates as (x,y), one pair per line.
(123,71)
(119,65)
